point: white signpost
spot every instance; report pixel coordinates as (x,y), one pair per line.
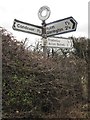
(61,26)
(26,27)
(55,42)
(46,30)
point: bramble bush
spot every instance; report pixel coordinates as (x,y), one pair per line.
(39,87)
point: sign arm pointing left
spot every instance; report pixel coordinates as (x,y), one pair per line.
(26,27)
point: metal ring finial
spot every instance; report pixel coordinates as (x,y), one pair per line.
(47,10)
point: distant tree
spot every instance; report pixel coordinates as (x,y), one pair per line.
(81,47)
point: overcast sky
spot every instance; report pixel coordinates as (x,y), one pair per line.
(26,11)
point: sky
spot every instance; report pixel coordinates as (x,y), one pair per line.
(27,11)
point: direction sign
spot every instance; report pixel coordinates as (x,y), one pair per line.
(61,26)
(59,42)
(26,27)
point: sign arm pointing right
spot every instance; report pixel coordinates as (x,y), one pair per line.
(74,23)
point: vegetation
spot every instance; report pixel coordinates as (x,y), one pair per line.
(37,87)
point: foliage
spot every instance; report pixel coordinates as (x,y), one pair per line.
(39,87)
(81,47)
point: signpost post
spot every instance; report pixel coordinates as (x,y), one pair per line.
(47,30)
(43,18)
(44,38)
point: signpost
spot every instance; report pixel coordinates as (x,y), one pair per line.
(47,30)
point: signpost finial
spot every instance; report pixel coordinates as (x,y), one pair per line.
(46,11)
